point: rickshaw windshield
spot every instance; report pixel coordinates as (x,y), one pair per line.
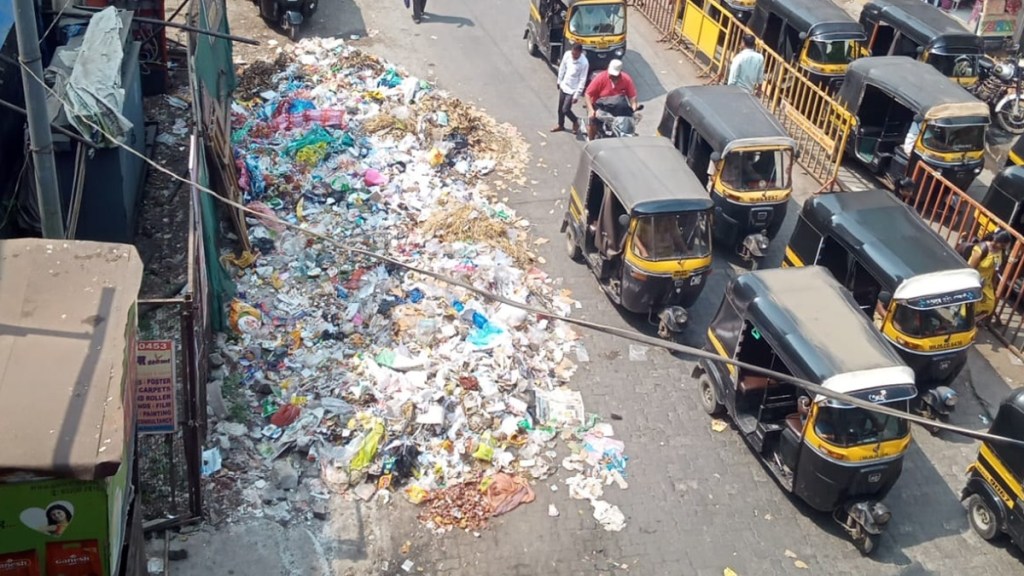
(955,65)
(834,52)
(930,322)
(848,427)
(966,138)
(673,236)
(598,20)
(751,170)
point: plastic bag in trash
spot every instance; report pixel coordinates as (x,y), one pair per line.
(368,447)
(403,456)
(211,461)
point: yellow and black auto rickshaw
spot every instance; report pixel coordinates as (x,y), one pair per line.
(641,221)
(835,457)
(1004,197)
(598,25)
(919,292)
(741,153)
(895,96)
(994,495)
(921,31)
(817,36)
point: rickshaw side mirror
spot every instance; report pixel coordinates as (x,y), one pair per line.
(920,50)
(918,118)
(715,156)
(802,36)
(885,298)
(624,220)
(796,153)
(562,14)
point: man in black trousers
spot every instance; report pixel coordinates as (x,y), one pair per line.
(418,8)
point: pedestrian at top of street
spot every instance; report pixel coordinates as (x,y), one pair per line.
(747,67)
(419,8)
(610,82)
(987,258)
(572,79)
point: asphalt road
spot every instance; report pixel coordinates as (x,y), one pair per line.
(698,501)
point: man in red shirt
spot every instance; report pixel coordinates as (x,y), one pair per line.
(611,82)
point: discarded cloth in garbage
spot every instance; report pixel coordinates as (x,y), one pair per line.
(506,492)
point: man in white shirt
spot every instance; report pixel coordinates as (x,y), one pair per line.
(572,78)
(911,139)
(747,67)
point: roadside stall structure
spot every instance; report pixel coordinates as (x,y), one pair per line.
(67,474)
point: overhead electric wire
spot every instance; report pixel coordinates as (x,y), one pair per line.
(634,336)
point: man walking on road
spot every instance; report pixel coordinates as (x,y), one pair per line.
(572,77)
(418,9)
(611,82)
(747,68)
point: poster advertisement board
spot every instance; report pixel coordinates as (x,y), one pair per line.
(155,402)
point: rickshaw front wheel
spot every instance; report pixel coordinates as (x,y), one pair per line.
(708,396)
(982,519)
(531,45)
(572,248)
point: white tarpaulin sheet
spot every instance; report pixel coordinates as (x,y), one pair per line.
(94,93)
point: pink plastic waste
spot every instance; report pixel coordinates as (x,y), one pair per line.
(374,178)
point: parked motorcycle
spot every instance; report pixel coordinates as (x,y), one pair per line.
(288,14)
(1000,87)
(617,118)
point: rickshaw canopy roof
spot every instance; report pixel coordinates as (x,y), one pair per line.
(915,84)
(727,117)
(924,23)
(817,330)
(67,315)
(816,17)
(568,3)
(1009,423)
(647,174)
(887,238)
(1011,182)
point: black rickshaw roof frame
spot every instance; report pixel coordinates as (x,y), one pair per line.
(728,117)
(916,85)
(888,239)
(816,328)
(923,23)
(814,17)
(647,175)
(1011,182)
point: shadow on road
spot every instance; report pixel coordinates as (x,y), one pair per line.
(459,21)
(346,20)
(648,85)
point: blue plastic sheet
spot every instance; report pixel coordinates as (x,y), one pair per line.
(257,187)
(300,105)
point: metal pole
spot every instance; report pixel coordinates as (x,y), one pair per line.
(40,140)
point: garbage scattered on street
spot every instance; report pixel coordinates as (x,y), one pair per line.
(366,380)
(719,425)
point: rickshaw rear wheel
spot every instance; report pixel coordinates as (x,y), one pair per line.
(572,248)
(866,542)
(531,45)
(981,517)
(708,396)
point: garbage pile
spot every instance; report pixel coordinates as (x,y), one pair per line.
(365,379)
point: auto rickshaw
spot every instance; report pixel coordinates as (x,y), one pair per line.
(598,25)
(994,493)
(1016,154)
(902,274)
(741,153)
(835,457)
(890,95)
(1004,197)
(921,31)
(641,221)
(817,36)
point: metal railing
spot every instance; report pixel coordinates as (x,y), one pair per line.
(710,36)
(955,216)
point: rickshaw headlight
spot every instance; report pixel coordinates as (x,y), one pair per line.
(977,170)
(880,514)
(619,52)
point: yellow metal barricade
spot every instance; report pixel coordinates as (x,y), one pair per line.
(956,216)
(710,35)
